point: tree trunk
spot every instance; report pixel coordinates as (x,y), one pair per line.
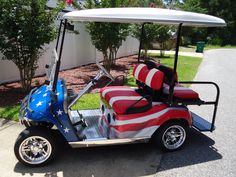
(145,53)
(27,71)
(106,62)
(162,51)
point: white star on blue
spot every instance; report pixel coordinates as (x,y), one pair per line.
(59,112)
(39,104)
(66,130)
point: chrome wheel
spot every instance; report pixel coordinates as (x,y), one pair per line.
(174,137)
(35,150)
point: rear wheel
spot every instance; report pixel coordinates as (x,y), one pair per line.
(35,146)
(171,136)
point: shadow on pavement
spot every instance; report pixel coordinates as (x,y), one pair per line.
(124,161)
(199,148)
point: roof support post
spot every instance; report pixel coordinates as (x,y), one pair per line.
(172,85)
(59,58)
(141,42)
(59,34)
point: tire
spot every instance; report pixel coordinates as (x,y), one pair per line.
(35,146)
(171,136)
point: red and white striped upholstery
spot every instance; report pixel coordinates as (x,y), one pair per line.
(152,78)
(181,92)
(121,97)
(143,124)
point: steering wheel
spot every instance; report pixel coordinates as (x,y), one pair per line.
(105,71)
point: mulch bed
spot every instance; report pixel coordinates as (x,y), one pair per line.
(76,79)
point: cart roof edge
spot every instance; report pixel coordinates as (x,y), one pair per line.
(145,15)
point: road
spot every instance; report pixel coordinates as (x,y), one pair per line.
(207,155)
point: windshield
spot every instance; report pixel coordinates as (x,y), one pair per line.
(51,68)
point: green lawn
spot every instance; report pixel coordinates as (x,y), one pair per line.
(88,101)
(192,48)
(187,68)
(10,112)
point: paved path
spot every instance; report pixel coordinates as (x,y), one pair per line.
(215,155)
(189,54)
(208,155)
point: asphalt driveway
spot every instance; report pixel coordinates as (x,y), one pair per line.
(209,154)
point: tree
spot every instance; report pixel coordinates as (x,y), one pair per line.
(152,32)
(226,10)
(192,34)
(223,9)
(26,25)
(107,37)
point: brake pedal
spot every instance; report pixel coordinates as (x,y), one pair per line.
(81,122)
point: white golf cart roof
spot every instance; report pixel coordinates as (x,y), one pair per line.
(142,15)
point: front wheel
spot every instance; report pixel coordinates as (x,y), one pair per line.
(35,146)
(171,136)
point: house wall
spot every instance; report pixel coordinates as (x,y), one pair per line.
(78,50)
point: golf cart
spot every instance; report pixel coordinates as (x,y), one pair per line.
(157,109)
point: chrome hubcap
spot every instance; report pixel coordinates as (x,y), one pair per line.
(35,150)
(174,137)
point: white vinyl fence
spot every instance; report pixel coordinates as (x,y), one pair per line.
(78,50)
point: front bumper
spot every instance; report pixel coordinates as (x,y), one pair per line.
(25,108)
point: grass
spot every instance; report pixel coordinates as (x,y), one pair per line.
(192,48)
(87,101)
(187,68)
(10,112)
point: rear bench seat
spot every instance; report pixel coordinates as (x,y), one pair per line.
(181,93)
(125,100)
(154,77)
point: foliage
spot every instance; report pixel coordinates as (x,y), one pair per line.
(150,3)
(192,34)
(10,112)
(26,25)
(152,33)
(107,37)
(192,48)
(226,10)
(223,9)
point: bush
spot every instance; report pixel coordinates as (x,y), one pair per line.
(26,25)
(107,37)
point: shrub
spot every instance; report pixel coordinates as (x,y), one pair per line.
(26,25)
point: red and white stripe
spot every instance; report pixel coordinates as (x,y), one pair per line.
(152,78)
(120,98)
(136,127)
(144,118)
(145,132)
(124,98)
(181,92)
(112,89)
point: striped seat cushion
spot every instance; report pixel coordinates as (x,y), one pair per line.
(152,78)
(181,92)
(121,97)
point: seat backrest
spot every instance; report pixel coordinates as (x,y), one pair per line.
(153,78)
(168,72)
